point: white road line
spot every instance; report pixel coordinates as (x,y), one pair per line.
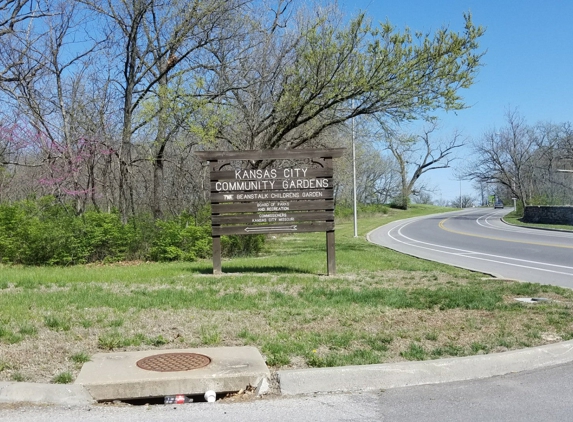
(485,221)
(474,254)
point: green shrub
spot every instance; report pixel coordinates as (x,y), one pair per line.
(232,246)
(11,218)
(46,232)
(400,203)
(370,209)
(180,240)
(35,233)
(102,237)
(343,211)
(346,210)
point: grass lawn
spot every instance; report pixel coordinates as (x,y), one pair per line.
(380,307)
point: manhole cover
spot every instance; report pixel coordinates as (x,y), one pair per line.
(174,362)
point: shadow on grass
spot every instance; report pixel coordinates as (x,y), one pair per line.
(262,269)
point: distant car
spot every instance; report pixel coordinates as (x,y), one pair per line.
(498,204)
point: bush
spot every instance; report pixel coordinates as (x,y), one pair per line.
(346,211)
(35,233)
(370,209)
(245,245)
(45,232)
(343,211)
(102,237)
(399,203)
(11,218)
(179,239)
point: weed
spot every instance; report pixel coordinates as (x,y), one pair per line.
(28,330)
(210,335)
(116,322)
(9,337)
(451,349)
(247,336)
(414,352)
(56,324)
(86,323)
(136,340)
(479,347)
(109,341)
(378,342)
(505,342)
(63,378)
(278,359)
(115,340)
(156,341)
(533,334)
(432,336)
(18,377)
(356,357)
(80,357)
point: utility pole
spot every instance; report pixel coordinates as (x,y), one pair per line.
(354,178)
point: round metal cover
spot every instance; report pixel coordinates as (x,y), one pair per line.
(174,362)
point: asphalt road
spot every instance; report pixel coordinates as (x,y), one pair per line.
(477,239)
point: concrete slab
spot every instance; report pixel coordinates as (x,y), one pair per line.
(116,376)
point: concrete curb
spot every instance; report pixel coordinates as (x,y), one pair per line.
(549,229)
(402,374)
(27,392)
(342,379)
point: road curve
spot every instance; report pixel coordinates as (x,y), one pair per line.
(478,239)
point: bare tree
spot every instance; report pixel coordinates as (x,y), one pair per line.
(418,154)
(423,198)
(17,39)
(376,175)
(53,101)
(553,155)
(155,40)
(509,157)
(464,201)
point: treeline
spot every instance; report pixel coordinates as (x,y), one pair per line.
(104,102)
(530,162)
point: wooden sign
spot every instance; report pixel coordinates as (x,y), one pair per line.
(270,191)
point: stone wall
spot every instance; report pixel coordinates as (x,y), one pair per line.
(548,215)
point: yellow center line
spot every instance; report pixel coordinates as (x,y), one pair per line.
(443,227)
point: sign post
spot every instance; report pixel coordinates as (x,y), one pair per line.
(283,196)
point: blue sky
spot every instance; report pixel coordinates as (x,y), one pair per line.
(528,65)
